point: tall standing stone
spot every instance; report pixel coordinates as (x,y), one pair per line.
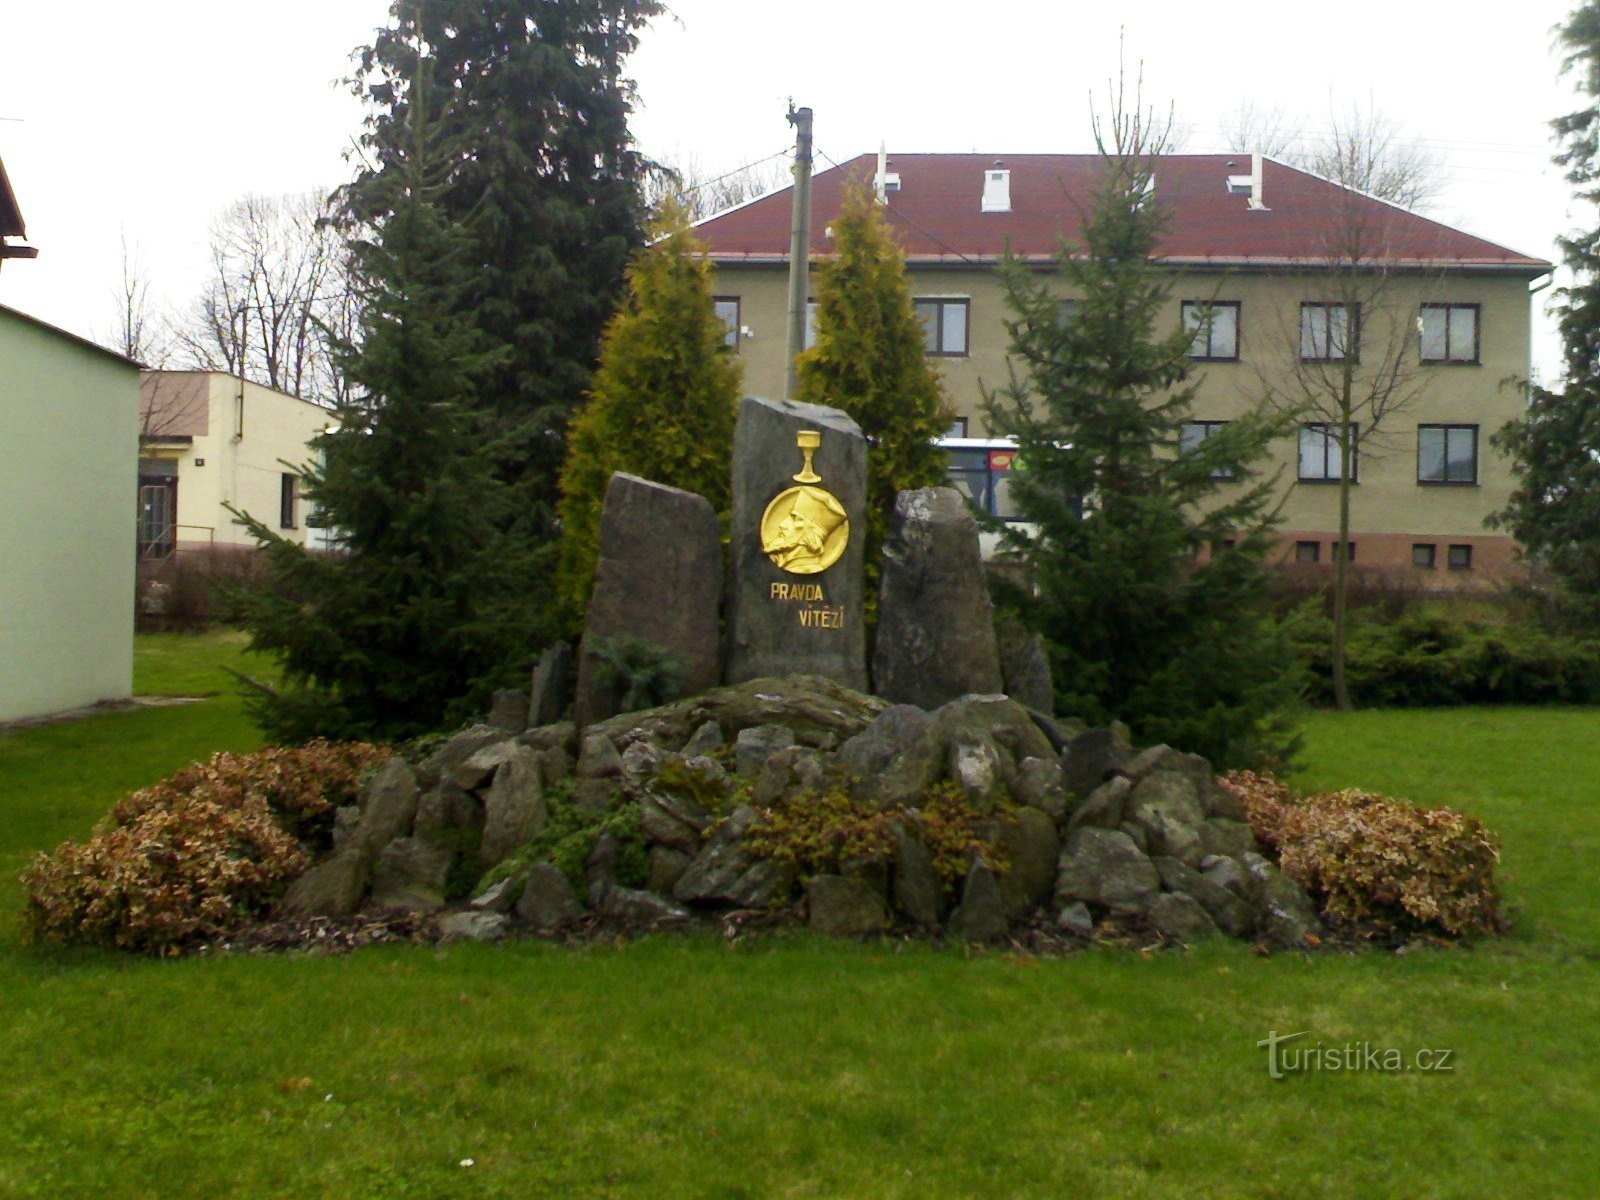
(659,578)
(935,623)
(799,525)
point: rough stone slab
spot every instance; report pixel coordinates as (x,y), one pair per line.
(1032,847)
(550,690)
(508,710)
(935,639)
(410,874)
(1105,867)
(1230,913)
(1181,918)
(513,808)
(753,746)
(547,901)
(1094,756)
(916,885)
(659,578)
(981,915)
(844,906)
(388,809)
(333,888)
(1025,673)
(877,747)
(472,927)
(645,909)
(766,635)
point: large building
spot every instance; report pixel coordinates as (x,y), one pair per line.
(1282,275)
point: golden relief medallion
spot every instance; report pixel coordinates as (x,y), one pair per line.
(805,529)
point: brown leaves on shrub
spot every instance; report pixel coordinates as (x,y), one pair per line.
(302,785)
(1374,860)
(199,854)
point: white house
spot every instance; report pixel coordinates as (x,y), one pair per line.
(208,440)
(69,438)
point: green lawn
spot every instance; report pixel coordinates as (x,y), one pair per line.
(794,1067)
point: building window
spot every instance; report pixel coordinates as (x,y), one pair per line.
(288,501)
(983,475)
(811,324)
(1330,332)
(1307,552)
(1319,453)
(1460,558)
(1423,555)
(958,428)
(1449,333)
(1215,326)
(1447,454)
(1349,551)
(944,326)
(1192,434)
(728,314)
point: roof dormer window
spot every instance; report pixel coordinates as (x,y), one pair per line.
(997,190)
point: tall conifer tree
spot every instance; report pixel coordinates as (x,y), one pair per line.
(424,600)
(1555,510)
(1115,511)
(663,402)
(546,189)
(870,360)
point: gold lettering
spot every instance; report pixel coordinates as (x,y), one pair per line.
(780,591)
(822,618)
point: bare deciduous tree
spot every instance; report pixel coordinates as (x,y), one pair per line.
(1351,357)
(703,193)
(139,331)
(279,292)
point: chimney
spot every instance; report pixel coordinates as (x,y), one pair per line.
(997,189)
(885,181)
(1249,185)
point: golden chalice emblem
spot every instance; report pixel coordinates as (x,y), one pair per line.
(805,529)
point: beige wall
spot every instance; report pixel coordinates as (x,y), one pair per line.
(229,460)
(1387,501)
(69,443)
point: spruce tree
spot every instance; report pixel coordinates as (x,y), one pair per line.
(1555,449)
(1114,511)
(422,601)
(546,190)
(663,402)
(869,359)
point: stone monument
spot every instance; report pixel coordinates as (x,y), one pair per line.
(799,525)
(659,578)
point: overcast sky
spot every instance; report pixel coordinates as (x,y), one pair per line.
(146,119)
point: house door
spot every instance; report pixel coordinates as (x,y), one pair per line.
(158,512)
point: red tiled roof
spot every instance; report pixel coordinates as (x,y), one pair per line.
(938,217)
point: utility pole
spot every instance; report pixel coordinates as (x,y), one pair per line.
(799,242)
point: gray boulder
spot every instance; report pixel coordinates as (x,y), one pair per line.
(754,746)
(1288,916)
(514,808)
(671,820)
(981,915)
(1230,912)
(976,769)
(1164,804)
(332,888)
(1039,785)
(838,905)
(388,809)
(935,639)
(1025,672)
(501,896)
(472,927)
(508,710)
(410,874)
(667,866)
(547,901)
(1028,840)
(704,740)
(1093,757)
(477,768)
(442,763)
(1181,918)
(1104,867)
(1076,920)
(917,890)
(723,872)
(1220,836)
(641,909)
(1104,807)
(882,744)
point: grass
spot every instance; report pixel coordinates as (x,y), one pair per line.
(796,1067)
